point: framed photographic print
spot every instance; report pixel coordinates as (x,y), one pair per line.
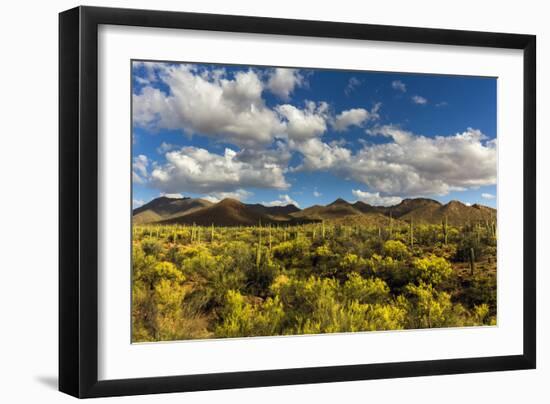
(251,201)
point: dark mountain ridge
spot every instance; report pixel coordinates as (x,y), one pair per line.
(231,212)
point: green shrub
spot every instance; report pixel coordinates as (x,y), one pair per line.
(151,246)
(395,249)
(428,308)
(349,279)
(240,318)
(432,269)
(371,291)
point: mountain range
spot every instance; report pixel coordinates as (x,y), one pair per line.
(231,212)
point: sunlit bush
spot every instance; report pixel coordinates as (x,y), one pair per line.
(151,246)
(396,249)
(241,318)
(301,280)
(428,308)
(432,269)
(373,290)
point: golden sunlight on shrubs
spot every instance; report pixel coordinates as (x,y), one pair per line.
(307,279)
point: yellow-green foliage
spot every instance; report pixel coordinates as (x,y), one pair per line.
(240,318)
(371,290)
(427,307)
(395,249)
(212,282)
(432,269)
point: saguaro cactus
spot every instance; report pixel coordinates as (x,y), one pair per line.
(411,233)
(472,261)
(445,230)
(391,225)
(212,233)
(259,249)
(323,229)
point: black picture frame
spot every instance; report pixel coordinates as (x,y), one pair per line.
(78,201)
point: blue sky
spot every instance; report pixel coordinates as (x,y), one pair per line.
(310,136)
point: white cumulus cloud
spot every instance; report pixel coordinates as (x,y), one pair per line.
(139,169)
(196,170)
(239,194)
(417,99)
(283,200)
(175,195)
(229,106)
(302,124)
(354,117)
(408,164)
(283,81)
(399,85)
(353,83)
(318,155)
(210,103)
(165,147)
(375,199)
(486,195)
(417,165)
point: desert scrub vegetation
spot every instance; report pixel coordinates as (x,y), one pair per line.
(194,282)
